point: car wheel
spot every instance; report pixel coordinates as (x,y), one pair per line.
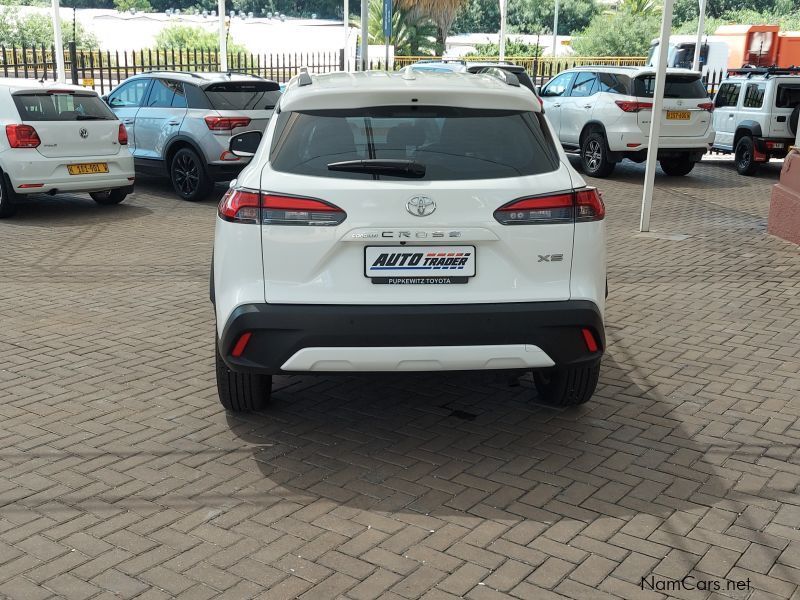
(566,386)
(241,392)
(594,156)
(188,175)
(7,206)
(745,156)
(108,197)
(676,167)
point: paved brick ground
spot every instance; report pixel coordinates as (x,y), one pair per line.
(121,477)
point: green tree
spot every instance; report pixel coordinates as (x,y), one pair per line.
(638,7)
(534,16)
(478,16)
(139,5)
(617,34)
(186,37)
(37,29)
(441,12)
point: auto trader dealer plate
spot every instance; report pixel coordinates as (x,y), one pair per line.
(404,265)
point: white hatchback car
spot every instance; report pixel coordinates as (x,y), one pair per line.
(60,138)
(605,112)
(392,222)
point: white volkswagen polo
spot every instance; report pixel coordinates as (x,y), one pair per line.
(408,222)
(60,138)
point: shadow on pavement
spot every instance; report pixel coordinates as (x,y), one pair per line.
(72,210)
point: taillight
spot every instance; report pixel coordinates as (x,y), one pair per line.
(226,123)
(293,210)
(564,207)
(632,106)
(248,206)
(709,106)
(122,136)
(22,136)
(589,205)
(240,205)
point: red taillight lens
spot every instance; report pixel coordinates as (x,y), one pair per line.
(588,337)
(122,137)
(589,205)
(248,206)
(240,206)
(565,207)
(241,344)
(226,123)
(633,106)
(709,106)
(22,136)
(278,209)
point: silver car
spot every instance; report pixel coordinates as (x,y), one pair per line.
(180,124)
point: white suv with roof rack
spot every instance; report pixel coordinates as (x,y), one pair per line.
(605,112)
(756,115)
(393,222)
(60,138)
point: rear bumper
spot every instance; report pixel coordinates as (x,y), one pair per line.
(291,338)
(29,168)
(772,147)
(225,171)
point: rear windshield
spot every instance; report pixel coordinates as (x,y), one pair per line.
(42,106)
(452,143)
(788,95)
(243,95)
(677,86)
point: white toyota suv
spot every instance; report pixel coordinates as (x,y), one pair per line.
(392,222)
(60,138)
(605,113)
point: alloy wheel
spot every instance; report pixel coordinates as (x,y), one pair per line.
(186,174)
(592,155)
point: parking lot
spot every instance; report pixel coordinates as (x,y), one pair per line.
(121,475)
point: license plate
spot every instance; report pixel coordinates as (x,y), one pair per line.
(87,168)
(421,265)
(679,115)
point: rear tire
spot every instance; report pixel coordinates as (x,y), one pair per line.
(745,156)
(188,175)
(676,167)
(109,197)
(566,386)
(7,206)
(594,156)
(241,392)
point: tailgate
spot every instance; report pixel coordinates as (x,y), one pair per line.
(681,115)
(69,124)
(787,99)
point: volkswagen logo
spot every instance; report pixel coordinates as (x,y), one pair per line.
(421,206)
(84,133)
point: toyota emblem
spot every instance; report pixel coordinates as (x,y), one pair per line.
(421,206)
(84,133)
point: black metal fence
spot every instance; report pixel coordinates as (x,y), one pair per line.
(103,70)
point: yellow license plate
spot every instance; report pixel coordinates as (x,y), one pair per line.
(87,168)
(679,115)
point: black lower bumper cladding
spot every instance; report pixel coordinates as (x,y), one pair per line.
(278,331)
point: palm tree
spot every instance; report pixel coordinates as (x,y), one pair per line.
(411,35)
(638,7)
(442,12)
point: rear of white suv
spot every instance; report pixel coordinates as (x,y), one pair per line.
(391,222)
(60,138)
(605,113)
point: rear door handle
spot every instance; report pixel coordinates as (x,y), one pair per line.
(556,105)
(128,121)
(587,106)
(174,123)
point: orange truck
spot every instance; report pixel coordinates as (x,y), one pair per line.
(760,46)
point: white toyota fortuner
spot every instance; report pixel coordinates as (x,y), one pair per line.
(408,222)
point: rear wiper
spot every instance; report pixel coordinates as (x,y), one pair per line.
(382,166)
(91,118)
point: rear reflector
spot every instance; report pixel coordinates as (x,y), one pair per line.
(226,123)
(633,106)
(22,136)
(588,337)
(563,207)
(27,186)
(241,344)
(228,155)
(248,206)
(122,136)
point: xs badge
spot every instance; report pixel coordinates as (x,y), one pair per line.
(551,257)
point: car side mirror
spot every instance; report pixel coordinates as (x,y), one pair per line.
(105,99)
(245,144)
(538,89)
